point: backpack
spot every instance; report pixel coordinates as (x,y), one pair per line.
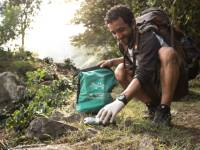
(157,20)
(94,89)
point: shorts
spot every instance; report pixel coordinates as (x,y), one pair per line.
(153,88)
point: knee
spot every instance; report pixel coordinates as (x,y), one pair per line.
(168,55)
(119,72)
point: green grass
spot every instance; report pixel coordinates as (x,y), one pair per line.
(133,132)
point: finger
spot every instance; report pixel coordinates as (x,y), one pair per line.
(99,113)
(100,63)
(112,118)
(103,115)
(103,64)
(107,117)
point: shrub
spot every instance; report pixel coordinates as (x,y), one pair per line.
(39,99)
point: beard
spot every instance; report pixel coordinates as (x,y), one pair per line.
(124,41)
(127,40)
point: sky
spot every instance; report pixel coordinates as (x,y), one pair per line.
(51,30)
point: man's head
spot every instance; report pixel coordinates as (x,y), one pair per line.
(117,11)
(120,22)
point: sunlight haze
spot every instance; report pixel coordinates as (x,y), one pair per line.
(51,30)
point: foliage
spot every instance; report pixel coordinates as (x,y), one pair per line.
(17,55)
(9,21)
(185,15)
(16,18)
(68,63)
(21,67)
(5,55)
(19,62)
(91,16)
(40,98)
(48,60)
(29,9)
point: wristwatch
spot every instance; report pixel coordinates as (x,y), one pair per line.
(122,98)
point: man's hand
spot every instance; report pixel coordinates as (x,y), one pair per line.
(108,112)
(106,63)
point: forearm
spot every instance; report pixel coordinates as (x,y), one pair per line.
(132,89)
(117,61)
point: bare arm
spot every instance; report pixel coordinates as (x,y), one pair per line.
(111,62)
(132,89)
(147,62)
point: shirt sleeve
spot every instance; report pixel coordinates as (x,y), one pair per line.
(147,57)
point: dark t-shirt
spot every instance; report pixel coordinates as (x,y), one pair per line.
(145,57)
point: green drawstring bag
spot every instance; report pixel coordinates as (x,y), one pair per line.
(94,89)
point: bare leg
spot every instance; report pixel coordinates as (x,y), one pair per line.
(169,73)
(124,77)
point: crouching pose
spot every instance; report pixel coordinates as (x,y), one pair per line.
(150,71)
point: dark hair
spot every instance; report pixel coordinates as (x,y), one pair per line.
(117,11)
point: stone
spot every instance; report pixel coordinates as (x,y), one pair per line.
(43,128)
(73,118)
(57,116)
(10,91)
(69,118)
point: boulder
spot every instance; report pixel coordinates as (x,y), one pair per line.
(10,91)
(64,117)
(43,128)
(57,116)
(74,117)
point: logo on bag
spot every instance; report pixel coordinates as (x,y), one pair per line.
(94,95)
(97,85)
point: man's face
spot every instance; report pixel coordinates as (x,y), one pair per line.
(121,31)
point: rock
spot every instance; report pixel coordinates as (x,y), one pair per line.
(73,117)
(44,128)
(70,118)
(57,116)
(10,91)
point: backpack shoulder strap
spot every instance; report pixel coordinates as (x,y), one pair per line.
(147,27)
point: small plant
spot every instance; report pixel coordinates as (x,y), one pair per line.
(35,77)
(48,60)
(23,55)
(39,99)
(68,63)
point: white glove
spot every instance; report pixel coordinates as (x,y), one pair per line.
(108,112)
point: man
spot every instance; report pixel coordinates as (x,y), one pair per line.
(150,71)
